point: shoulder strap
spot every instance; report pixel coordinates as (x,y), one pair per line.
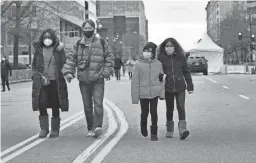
(102,42)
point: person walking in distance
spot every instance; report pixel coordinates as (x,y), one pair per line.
(49,85)
(147,87)
(118,64)
(6,70)
(94,61)
(130,63)
(175,66)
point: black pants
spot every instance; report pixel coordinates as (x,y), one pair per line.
(5,80)
(117,73)
(130,75)
(145,105)
(49,98)
(180,103)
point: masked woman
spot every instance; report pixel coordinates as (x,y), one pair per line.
(178,79)
(49,85)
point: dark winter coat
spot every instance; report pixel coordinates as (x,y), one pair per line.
(118,63)
(6,68)
(177,72)
(38,67)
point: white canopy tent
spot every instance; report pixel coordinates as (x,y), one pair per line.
(211,51)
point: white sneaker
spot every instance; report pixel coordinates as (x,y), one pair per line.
(98,132)
(90,133)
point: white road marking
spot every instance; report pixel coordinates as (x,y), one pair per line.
(36,136)
(112,126)
(123,129)
(225,87)
(211,79)
(243,96)
(31,145)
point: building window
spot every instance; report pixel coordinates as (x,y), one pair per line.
(218,19)
(217,12)
(217,4)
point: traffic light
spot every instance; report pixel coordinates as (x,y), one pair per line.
(240,36)
(252,37)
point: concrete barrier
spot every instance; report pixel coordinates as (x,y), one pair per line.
(237,69)
(20,76)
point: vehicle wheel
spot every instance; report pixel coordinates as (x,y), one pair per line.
(206,72)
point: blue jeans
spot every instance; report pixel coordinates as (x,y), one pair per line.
(93,93)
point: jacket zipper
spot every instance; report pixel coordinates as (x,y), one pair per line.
(173,75)
(150,77)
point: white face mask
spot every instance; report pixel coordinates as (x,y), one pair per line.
(147,55)
(47,42)
(169,50)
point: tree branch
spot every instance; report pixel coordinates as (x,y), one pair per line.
(6,8)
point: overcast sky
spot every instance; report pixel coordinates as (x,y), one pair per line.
(183,20)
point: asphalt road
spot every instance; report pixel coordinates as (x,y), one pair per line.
(220,114)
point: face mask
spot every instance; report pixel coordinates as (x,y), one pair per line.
(147,55)
(47,42)
(88,34)
(169,50)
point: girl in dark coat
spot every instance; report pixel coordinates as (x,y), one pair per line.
(49,59)
(178,79)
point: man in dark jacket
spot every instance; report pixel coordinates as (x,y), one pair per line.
(118,64)
(5,70)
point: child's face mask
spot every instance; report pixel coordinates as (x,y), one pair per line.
(147,55)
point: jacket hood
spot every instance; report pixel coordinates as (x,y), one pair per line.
(142,59)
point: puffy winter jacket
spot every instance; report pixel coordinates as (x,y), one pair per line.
(101,62)
(145,80)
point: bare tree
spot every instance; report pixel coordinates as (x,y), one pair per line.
(19,25)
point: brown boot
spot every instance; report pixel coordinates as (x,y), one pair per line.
(182,125)
(154,133)
(55,127)
(170,129)
(44,125)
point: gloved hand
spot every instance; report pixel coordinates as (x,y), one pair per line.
(69,77)
(190,92)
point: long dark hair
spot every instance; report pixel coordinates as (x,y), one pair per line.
(53,37)
(178,48)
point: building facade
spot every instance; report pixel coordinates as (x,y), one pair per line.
(90,10)
(65,17)
(126,18)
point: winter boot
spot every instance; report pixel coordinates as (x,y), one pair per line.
(55,127)
(153,133)
(44,125)
(170,129)
(182,125)
(143,127)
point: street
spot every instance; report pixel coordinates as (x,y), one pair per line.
(220,114)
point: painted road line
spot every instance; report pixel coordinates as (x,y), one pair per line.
(36,136)
(112,126)
(123,129)
(31,145)
(243,96)
(225,87)
(211,79)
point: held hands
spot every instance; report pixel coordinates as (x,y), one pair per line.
(45,80)
(69,77)
(190,92)
(164,77)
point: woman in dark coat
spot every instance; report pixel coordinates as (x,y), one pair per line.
(49,59)
(178,79)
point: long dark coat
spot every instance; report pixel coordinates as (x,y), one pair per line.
(38,66)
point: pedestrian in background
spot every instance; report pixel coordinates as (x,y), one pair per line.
(95,61)
(6,70)
(146,87)
(124,68)
(176,68)
(130,63)
(118,65)
(49,85)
